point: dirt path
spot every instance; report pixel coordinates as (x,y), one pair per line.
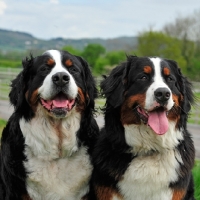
(6,109)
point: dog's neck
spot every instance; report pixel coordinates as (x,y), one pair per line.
(48,138)
(143,141)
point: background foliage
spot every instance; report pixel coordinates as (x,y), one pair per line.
(178,40)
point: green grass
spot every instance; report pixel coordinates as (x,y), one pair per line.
(10,63)
(196,174)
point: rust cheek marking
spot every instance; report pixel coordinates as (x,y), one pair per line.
(174,115)
(107,193)
(147,69)
(50,62)
(68,63)
(178,194)
(175,99)
(80,101)
(166,71)
(33,100)
(128,115)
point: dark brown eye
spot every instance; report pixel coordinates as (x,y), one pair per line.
(169,79)
(143,78)
(72,69)
(44,69)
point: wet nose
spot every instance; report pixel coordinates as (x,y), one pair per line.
(162,95)
(60,78)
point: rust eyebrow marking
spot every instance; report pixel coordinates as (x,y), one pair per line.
(68,63)
(166,71)
(147,69)
(50,62)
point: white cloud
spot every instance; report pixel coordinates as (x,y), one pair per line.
(54,1)
(3,6)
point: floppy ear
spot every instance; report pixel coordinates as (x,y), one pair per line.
(18,85)
(16,89)
(185,88)
(88,123)
(89,82)
(188,95)
(113,86)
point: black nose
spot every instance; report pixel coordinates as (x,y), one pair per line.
(162,95)
(60,78)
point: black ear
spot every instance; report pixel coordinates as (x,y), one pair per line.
(88,123)
(188,95)
(16,89)
(89,82)
(113,86)
(18,85)
(184,86)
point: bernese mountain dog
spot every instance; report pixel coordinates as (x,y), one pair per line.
(47,142)
(144,151)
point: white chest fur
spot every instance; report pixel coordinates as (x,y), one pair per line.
(57,169)
(148,175)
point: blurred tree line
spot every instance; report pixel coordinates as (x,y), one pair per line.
(178,40)
(99,60)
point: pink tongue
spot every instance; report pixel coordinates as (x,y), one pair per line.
(59,102)
(62,102)
(158,121)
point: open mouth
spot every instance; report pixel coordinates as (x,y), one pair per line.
(59,105)
(156,119)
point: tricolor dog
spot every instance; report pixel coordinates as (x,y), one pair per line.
(47,142)
(144,152)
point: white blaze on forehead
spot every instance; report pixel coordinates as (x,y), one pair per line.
(46,89)
(158,82)
(158,79)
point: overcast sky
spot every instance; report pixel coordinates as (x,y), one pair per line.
(47,19)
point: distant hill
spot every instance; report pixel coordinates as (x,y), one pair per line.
(14,40)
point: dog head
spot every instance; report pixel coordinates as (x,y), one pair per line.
(149,91)
(57,81)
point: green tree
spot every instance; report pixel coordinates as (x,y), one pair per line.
(72,50)
(115,57)
(186,29)
(92,52)
(159,44)
(100,65)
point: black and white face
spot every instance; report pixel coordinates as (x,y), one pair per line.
(152,94)
(57,81)
(59,90)
(159,93)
